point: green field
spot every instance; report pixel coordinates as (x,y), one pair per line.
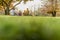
(29,28)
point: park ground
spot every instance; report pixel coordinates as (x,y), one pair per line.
(29,28)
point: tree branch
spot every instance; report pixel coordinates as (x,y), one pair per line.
(9,2)
(16,4)
(5,2)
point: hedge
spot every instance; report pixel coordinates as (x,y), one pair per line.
(29,28)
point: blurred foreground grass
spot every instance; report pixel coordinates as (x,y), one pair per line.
(29,28)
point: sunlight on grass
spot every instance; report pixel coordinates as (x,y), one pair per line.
(29,28)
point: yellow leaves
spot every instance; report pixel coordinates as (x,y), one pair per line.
(6,1)
(1,6)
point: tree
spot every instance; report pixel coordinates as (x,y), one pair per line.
(54,8)
(6,4)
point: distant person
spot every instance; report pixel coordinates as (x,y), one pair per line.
(20,13)
(26,12)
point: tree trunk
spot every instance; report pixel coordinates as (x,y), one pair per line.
(2,2)
(54,4)
(54,13)
(7,10)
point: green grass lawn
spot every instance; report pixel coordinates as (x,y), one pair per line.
(29,28)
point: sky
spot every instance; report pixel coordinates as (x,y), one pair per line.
(31,5)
